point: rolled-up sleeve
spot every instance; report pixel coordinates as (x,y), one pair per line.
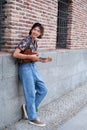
(22,45)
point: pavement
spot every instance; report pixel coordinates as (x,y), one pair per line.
(68,112)
(79,122)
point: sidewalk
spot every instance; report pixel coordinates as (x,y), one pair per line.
(79,122)
(70,110)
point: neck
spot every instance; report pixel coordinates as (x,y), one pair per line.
(33,39)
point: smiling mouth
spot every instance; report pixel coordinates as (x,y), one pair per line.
(35,35)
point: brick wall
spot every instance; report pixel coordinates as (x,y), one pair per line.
(19,15)
(79,25)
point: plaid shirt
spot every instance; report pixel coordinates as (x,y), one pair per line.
(28,44)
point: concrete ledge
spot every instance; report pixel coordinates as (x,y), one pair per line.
(66,72)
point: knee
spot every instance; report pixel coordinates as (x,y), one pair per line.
(45,91)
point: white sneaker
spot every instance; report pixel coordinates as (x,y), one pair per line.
(25,115)
(37,123)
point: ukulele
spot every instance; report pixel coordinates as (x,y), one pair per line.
(29,52)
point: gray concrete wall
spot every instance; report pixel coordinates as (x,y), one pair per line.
(67,71)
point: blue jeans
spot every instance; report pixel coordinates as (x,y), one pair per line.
(33,87)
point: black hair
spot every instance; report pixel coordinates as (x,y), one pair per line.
(40,27)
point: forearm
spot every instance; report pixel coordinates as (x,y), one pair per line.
(19,55)
(22,56)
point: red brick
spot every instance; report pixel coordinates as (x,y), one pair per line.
(22,14)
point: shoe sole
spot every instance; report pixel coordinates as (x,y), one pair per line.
(24,112)
(41,125)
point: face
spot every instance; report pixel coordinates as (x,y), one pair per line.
(35,32)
